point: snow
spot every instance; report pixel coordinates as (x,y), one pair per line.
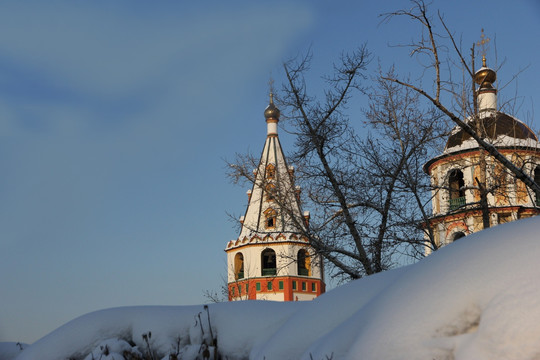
(501,142)
(8,350)
(112,349)
(478,298)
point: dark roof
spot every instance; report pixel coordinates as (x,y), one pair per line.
(493,126)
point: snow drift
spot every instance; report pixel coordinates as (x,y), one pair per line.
(478,298)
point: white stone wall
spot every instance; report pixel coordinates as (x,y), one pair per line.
(286,256)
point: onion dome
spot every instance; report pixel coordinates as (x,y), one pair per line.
(271,111)
(485,77)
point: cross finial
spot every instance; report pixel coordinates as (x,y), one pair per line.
(483,44)
(271,86)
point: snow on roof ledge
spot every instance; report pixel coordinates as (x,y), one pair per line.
(502,141)
(500,129)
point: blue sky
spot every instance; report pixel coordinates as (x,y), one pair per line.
(116,118)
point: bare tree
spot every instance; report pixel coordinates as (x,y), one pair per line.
(219,295)
(323,136)
(404,137)
(367,195)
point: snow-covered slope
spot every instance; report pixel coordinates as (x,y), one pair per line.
(478,298)
(9,350)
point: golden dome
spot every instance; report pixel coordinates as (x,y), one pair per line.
(485,76)
(271,111)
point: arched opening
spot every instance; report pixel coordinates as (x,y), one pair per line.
(270,218)
(458,235)
(268,262)
(303,263)
(239,266)
(455,186)
(537,180)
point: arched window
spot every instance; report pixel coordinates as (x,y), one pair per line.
(537,180)
(458,235)
(268,262)
(303,263)
(455,185)
(239,266)
(270,218)
(270,172)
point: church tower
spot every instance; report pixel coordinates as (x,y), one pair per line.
(470,188)
(272,259)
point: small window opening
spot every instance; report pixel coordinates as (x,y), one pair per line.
(270,192)
(303,263)
(239,266)
(270,172)
(268,261)
(270,218)
(537,180)
(457,193)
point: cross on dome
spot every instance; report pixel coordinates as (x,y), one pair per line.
(483,43)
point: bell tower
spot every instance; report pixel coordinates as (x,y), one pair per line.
(271,259)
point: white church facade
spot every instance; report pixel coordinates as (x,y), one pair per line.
(465,171)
